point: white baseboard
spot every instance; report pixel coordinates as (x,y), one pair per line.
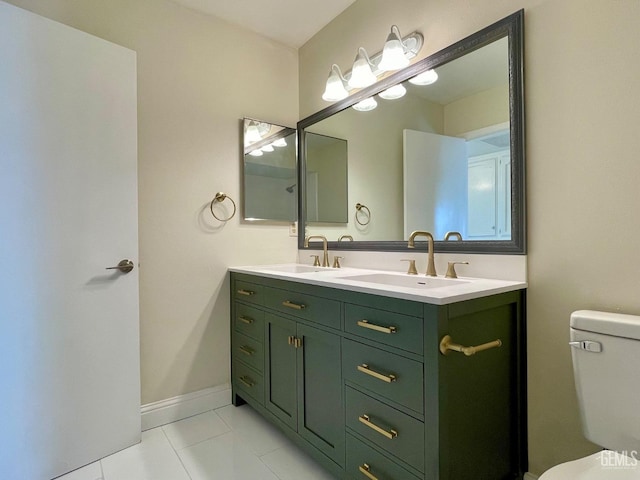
(183,406)
(530,476)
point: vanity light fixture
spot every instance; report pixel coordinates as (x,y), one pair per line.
(267,148)
(361,73)
(281,142)
(252,134)
(366,105)
(255,131)
(335,89)
(391,93)
(425,78)
(393,57)
(366,70)
(256,153)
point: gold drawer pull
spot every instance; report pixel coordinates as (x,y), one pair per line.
(246,320)
(391,434)
(364,368)
(246,293)
(366,471)
(247,381)
(246,350)
(291,340)
(377,328)
(295,306)
(446,345)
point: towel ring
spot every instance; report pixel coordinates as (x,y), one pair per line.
(221,197)
(359,208)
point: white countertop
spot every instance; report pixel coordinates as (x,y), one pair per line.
(456,290)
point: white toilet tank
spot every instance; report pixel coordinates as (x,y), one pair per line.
(606,361)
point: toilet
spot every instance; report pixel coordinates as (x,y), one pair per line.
(605,349)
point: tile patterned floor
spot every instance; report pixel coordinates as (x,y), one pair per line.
(230,443)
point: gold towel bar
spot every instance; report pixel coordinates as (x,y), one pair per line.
(446,345)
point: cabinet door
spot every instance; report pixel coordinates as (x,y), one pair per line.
(320,402)
(280,371)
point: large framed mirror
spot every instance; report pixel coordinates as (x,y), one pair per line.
(269,172)
(447,156)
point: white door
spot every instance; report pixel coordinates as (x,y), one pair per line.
(69,334)
(482,198)
(435,183)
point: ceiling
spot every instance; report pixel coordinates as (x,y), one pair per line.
(291,22)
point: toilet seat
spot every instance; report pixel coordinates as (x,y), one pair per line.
(594,467)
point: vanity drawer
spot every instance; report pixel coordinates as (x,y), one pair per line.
(363,457)
(309,307)
(390,429)
(386,374)
(249,292)
(394,329)
(248,381)
(248,350)
(249,320)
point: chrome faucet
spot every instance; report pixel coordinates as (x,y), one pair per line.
(345,237)
(325,256)
(431,266)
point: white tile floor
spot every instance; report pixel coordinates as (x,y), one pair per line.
(230,443)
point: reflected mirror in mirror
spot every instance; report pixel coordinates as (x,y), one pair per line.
(436,151)
(326,175)
(270,186)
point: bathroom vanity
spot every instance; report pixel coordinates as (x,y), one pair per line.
(349,364)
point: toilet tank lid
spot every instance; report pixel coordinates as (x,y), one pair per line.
(616,324)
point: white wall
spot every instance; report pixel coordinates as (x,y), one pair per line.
(197,78)
(582,116)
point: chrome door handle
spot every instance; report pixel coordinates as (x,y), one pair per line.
(125,266)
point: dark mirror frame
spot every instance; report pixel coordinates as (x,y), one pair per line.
(511,27)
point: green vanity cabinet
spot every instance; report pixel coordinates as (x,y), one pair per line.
(359,380)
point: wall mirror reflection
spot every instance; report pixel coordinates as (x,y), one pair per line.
(437,146)
(269,172)
(326,174)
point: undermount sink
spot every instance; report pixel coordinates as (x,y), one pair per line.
(293,268)
(414,281)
